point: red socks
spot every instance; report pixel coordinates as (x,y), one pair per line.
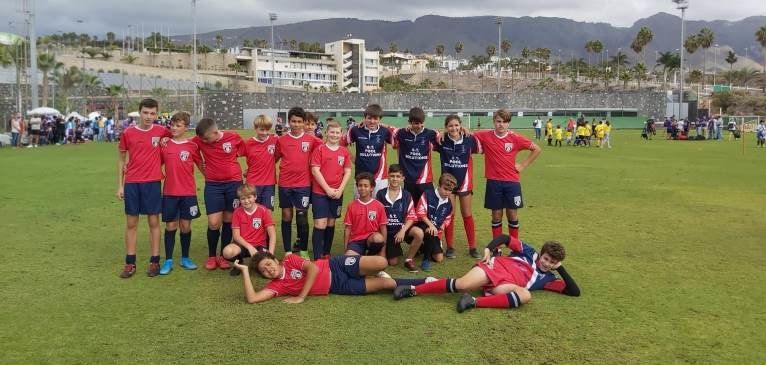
(449,234)
(497,228)
(439,286)
(470,231)
(510,300)
(513,229)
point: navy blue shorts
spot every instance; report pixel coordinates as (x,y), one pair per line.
(298,198)
(221,196)
(183,207)
(503,194)
(325,207)
(143,198)
(344,271)
(363,248)
(265,196)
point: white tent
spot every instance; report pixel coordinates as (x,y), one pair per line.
(134,114)
(43,111)
(76,115)
(94,115)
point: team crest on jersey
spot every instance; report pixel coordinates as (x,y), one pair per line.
(227,147)
(341,160)
(184,155)
(193,211)
(508,147)
(304,146)
(155,141)
(270,149)
(296,274)
(235,203)
(257,223)
(305,201)
(350,260)
(517,200)
(372,215)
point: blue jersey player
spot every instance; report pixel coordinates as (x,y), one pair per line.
(400,209)
(414,145)
(371,140)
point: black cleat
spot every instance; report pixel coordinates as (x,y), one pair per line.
(465,302)
(404,291)
(474,253)
(235,272)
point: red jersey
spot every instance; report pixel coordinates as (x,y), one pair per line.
(293,277)
(332,165)
(179,159)
(365,218)
(221,163)
(294,154)
(143,148)
(252,226)
(261,161)
(500,154)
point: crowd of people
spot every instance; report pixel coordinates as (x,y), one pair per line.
(394,204)
(577,133)
(704,127)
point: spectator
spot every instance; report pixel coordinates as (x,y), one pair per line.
(16,123)
(34,126)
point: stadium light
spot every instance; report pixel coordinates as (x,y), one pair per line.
(272,18)
(682,5)
(195,111)
(499,22)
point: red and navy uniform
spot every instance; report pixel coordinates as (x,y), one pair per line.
(520,268)
(456,159)
(370,150)
(223,175)
(436,209)
(179,193)
(261,168)
(294,276)
(252,225)
(500,154)
(415,154)
(364,218)
(398,211)
(142,191)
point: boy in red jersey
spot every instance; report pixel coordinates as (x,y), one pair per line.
(138,184)
(294,155)
(179,194)
(298,278)
(503,192)
(223,176)
(261,161)
(365,221)
(331,169)
(252,228)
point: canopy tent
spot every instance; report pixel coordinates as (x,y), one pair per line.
(10,39)
(134,114)
(94,115)
(43,111)
(76,115)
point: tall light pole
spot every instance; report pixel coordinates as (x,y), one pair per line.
(499,22)
(28,8)
(715,56)
(195,109)
(683,5)
(272,18)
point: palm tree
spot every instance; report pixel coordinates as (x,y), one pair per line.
(218,41)
(643,38)
(491,51)
(90,82)
(691,44)
(293,44)
(114,91)
(746,75)
(459,49)
(439,49)
(594,46)
(505,46)
(705,39)
(731,59)
(392,48)
(6,59)
(625,77)
(67,82)
(640,73)
(669,61)
(760,36)
(46,63)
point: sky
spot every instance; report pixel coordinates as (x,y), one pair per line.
(174,16)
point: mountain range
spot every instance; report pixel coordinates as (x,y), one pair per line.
(563,37)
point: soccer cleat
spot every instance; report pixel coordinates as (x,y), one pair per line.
(222,263)
(211,263)
(154,269)
(383,274)
(465,302)
(188,264)
(235,272)
(305,255)
(128,271)
(474,253)
(410,266)
(426,265)
(451,253)
(404,291)
(167,267)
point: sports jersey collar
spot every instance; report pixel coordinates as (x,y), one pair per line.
(291,135)
(456,141)
(373,131)
(501,137)
(360,200)
(398,197)
(143,130)
(176,142)
(259,141)
(441,200)
(333,148)
(250,213)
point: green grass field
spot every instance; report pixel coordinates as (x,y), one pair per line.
(666,240)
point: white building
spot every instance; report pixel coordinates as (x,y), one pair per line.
(358,68)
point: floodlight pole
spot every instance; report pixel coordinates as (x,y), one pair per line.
(499,22)
(195,110)
(272,18)
(683,5)
(32,53)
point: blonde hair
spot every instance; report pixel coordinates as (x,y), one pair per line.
(246,190)
(181,117)
(262,122)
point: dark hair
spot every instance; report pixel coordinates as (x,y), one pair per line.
(450,118)
(148,103)
(365,176)
(297,112)
(260,256)
(554,249)
(181,117)
(395,168)
(417,115)
(310,117)
(373,110)
(504,114)
(204,125)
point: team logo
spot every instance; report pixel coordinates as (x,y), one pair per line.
(304,146)
(193,211)
(372,215)
(184,155)
(235,203)
(256,223)
(350,260)
(305,201)
(155,141)
(517,200)
(270,149)
(341,160)
(296,274)
(227,147)
(508,147)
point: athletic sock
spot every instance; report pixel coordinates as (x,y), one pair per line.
(413,282)
(317,242)
(287,235)
(154,259)
(510,300)
(212,241)
(302,223)
(449,234)
(225,235)
(470,231)
(437,287)
(497,228)
(513,229)
(185,243)
(170,244)
(329,235)
(130,259)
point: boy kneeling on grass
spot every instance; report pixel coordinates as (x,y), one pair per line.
(506,281)
(252,228)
